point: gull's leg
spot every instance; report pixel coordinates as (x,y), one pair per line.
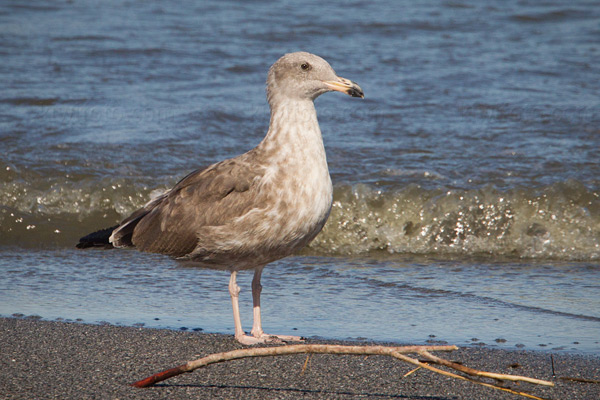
(257,331)
(256,289)
(234,291)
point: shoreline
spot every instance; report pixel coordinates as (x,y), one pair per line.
(71,360)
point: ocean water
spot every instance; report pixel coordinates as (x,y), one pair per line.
(467,190)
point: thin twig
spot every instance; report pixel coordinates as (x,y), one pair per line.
(464,378)
(306,362)
(412,371)
(282,350)
(396,352)
(474,372)
(575,379)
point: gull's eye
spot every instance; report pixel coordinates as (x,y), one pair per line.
(305,66)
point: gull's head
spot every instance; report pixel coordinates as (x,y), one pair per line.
(305,76)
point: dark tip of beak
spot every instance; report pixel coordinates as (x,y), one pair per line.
(345,86)
(356,91)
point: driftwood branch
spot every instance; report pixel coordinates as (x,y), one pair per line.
(396,352)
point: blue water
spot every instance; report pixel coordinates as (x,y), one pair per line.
(467,198)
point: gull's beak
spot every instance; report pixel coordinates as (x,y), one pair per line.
(345,86)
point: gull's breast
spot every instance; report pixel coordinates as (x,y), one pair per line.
(300,203)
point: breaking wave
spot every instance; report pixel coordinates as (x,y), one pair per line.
(560,221)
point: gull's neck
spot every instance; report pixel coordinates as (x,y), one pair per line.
(294,132)
(294,157)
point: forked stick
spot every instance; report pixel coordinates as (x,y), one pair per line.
(396,352)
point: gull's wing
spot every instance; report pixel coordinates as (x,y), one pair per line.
(213,196)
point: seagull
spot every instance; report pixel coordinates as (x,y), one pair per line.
(245,212)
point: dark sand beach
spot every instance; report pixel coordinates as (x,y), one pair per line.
(48,359)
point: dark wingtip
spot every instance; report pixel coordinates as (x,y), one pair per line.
(97,239)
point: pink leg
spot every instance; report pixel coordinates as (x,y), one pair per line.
(234,291)
(258,336)
(256,289)
(257,331)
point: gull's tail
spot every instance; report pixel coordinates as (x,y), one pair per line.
(97,239)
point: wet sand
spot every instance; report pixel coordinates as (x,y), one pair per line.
(48,359)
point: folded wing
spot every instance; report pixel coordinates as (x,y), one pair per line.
(169,224)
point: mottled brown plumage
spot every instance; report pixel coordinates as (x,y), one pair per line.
(261,206)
